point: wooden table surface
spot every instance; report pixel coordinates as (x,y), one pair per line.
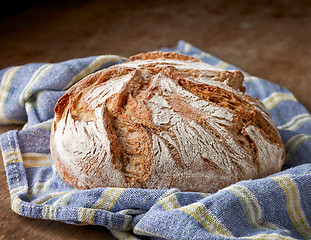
(268,39)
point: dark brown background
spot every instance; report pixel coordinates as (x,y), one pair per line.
(268,39)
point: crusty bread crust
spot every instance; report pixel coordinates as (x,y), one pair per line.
(162,55)
(163,120)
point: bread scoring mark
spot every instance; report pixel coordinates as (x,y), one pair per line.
(130,122)
(211,164)
(171,142)
(99,94)
(163,165)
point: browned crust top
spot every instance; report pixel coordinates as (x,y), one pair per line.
(162,55)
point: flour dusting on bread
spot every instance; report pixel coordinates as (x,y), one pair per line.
(163,120)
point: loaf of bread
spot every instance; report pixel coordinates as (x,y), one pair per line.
(163,120)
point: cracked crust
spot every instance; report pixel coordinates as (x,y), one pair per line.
(163,120)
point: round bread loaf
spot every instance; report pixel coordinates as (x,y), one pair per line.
(163,120)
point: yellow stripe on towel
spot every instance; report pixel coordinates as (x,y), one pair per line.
(86,215)
(207,219)
(36,159)
(277,97)
(108,198)
(296,122)
(36,77)
(15,204)
(170,202)
(293,205)
(4,91)
(11,156)
(251,207)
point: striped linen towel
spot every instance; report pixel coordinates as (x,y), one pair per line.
(275,207)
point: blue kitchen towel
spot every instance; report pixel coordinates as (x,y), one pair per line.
(275,207)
